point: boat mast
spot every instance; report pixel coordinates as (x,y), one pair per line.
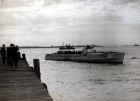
(2,1)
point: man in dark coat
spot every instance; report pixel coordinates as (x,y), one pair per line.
(8,56)
(13,55)
(3,54)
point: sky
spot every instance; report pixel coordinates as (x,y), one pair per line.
(76,22)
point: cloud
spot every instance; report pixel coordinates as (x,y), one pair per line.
(71,20)
(73,8)
(59,11)
(126,1)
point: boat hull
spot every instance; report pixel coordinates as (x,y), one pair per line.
(105,57)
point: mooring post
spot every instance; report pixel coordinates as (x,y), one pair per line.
(19,55)
(45,86)
(37,67)
(24,57)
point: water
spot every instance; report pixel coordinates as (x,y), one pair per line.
(73,81)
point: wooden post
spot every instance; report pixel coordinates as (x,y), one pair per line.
(37,67)
(19,55)
(24,57)
(45,86)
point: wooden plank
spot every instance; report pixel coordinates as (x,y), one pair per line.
(21,84)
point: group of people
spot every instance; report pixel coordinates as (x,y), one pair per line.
(11,55)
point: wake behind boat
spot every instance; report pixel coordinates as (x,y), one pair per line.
(68,53)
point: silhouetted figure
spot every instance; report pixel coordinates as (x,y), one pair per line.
(14,56)
(8,55)
(3,54)
(18,53)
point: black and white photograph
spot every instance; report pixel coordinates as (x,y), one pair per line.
(69,50)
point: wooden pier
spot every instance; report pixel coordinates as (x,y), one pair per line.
(21,84)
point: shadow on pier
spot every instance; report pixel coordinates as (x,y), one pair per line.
(21,84)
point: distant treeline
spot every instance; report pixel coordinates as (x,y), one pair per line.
(52,46)
(72,45)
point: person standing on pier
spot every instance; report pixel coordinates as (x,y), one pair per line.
(3,53)
(8,56)
(17,53)
(14,55)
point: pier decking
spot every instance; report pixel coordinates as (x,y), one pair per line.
(21,84)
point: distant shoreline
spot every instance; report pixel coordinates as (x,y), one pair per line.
(73,46)
(51,46)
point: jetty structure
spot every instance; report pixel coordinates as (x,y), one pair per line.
(22,83)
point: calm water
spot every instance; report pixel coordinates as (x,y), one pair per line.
(72,81)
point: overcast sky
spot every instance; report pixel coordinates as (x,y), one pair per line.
(52,22)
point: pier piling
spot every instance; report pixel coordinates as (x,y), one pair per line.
(24,57)
(37,67)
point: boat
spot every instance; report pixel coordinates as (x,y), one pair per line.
(136,45)
(88,54)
